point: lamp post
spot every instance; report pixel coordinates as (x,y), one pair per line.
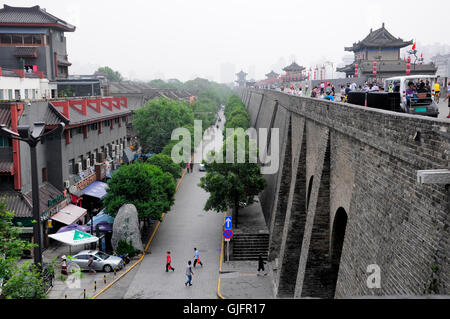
(32,138)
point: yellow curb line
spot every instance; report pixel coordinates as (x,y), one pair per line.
(145,251)
(219,294)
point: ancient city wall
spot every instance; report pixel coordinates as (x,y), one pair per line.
(346,196)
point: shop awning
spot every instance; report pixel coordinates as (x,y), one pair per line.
(74,238)
(96,189)
(70,214)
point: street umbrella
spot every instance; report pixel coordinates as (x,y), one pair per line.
(104,227)
(102,218)
(73,227)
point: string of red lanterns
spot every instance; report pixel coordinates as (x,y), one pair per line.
(408,66)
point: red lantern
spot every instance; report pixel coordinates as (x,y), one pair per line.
(356,65)
(374,63)
(356,74)
(408,65)
(374,73)
(374,67)
(408,60)
(408,72)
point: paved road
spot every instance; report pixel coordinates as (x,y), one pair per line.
(186,226)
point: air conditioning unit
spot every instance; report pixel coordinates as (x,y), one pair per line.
(79,167)
(88,162)
(66,184)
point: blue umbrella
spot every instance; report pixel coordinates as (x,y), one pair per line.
(102,218)
(82,228)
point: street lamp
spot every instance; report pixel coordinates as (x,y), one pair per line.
(32,138)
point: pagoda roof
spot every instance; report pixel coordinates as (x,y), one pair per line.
(241,74)
(31,17)
(272,75)
(380,38)
(293,67)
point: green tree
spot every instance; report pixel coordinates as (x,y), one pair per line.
(232,185)
(111,75)
(18,282)
(166,164)
(25,282)
(156,121)
(145,186)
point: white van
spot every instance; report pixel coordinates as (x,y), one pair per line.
(423,102)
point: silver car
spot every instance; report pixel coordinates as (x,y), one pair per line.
(102,261)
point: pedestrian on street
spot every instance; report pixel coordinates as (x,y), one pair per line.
(91,265)
(188,167)
(192,167)
(168,263)
(261,264)
(189,274)
(64,266)
(197,258)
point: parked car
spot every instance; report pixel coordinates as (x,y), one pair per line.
(202,168)
(102,261)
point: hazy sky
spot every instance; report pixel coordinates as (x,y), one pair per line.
(144,39)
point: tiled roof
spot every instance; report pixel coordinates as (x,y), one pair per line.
(390,67)
(272,75)
(5,115)
(380,38)
(6,166)
(31,16)
(293,67)
(16,203)
(46,192)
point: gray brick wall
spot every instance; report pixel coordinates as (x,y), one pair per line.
(371,165)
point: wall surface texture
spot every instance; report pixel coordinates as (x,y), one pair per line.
(346,197)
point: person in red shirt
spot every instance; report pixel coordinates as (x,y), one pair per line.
(168,262)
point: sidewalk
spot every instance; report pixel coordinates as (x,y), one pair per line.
(240,280)
(73,287)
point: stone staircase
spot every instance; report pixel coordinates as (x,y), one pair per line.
(249,246)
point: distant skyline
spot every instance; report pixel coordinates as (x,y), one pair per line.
(144,40)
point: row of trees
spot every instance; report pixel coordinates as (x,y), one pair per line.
(233,185)
(150,186)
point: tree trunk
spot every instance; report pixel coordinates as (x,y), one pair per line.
(236,213)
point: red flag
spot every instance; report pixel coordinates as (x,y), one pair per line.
(414,46)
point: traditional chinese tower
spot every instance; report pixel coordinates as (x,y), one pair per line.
(241,78)
(378,56)
(293,73)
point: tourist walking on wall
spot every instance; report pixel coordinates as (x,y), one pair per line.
(197,258)
(189,274)
(188,167)
(168,263)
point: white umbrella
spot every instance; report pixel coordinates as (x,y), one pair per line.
(74,238)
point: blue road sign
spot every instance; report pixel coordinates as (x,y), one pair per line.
(228,234)
(228,223)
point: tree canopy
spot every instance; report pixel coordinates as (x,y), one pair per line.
(145,186)
(166,164)
(156,121)
(111,75)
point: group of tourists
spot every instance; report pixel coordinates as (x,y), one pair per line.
(189,272)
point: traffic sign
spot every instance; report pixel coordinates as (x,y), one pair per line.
(228,234)
(228,223)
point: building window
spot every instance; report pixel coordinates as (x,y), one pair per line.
(17,39)
(5,39)
(27,39)
(10,94)
(26,93)
(1,94)
(106,123)
(44,175)
(71,167)
(37,39)
(4,141)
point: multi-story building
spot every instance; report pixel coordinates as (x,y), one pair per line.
(93,142)
(20,85)
(32,39)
